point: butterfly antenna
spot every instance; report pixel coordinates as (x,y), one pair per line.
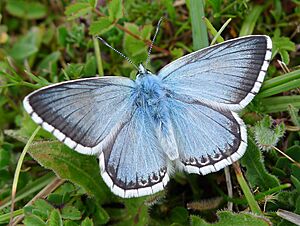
(154,37)
(121,54)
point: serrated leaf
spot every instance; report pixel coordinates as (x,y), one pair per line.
(227,218)
(70,213)
(77,10)
(285,57)
(137,49)
(33,220)
(43,205)
(87,222)
(100,26)
(256,173)
(55,219)
(68,164)
(115,10)
(282,45)
(70,223)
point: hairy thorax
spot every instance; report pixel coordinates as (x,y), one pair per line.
(150,96)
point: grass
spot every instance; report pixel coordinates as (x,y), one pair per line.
(45,42)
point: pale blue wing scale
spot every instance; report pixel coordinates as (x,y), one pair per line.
(86,113)
(208,138)
(135,165)
(226,75)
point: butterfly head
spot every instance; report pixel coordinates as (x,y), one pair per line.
(143,71)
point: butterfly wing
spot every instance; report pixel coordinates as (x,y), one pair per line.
(85,114)
(208,138)
(226,75)
(135,165)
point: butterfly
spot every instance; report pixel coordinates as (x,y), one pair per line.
(184,117)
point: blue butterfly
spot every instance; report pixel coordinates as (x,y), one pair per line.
(183,117)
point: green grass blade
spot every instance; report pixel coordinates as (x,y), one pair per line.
(279,80)
(280,88)
(250,21)
(211,29)
(278,104)
(18,169)
(246,190)
(216,38)
(98,56)
(200,39)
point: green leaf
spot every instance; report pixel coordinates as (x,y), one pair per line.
(47,62)
(77,10)
(250,20)
(62,34)
(256,173)
(100,215)
(25,9)
(100,26)
(43,206)
(33,220)
(55,219)
(282,45)
(70,223)
(93,3)
(88,222)
(68,164)
(70,213)
(180,215)
(115,10)
(90,67)
(135,213)
(266,135)
(4,158)
(227,218)
(21,50)
(137,49)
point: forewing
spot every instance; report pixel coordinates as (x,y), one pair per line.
(208,139)
(135,165)
(86,113)
(226,75)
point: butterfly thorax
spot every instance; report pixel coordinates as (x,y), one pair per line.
(149,95)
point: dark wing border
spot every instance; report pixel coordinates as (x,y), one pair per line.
(58,134)
(256,87)
(219,161)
